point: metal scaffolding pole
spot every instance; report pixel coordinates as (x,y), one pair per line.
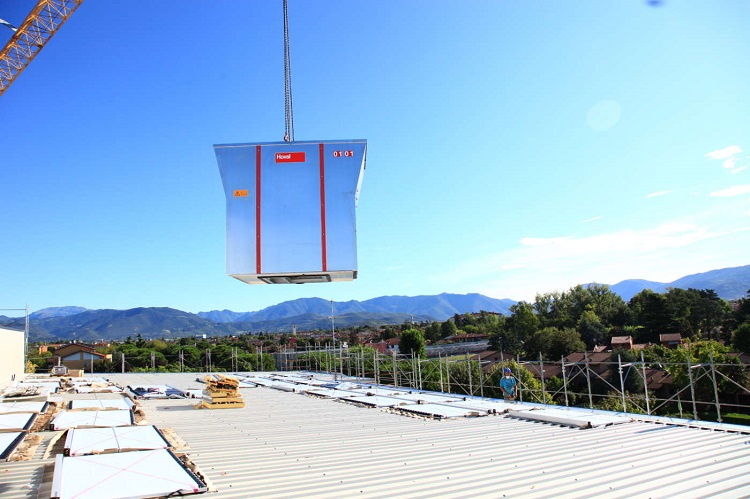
(440,368)
(645,384)
(588,380)
(541,373)
(565,380)
(481,375)
(622,383)
(520,385)
(692,388)
(716,388)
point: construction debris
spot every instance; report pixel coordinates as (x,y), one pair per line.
(221,392)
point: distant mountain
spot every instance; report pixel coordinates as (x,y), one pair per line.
(315,313)
(730,283)
(93,325)
(631,287)
(317,322)
(441,306)
(222,315)
(437,307)
(56,312)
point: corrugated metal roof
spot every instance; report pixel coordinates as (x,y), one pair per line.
(285,444)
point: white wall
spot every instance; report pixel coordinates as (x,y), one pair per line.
(11,356)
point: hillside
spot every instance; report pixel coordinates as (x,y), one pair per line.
(730,284)
(76,323)
(437,307)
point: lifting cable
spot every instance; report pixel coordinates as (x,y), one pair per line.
(288,105)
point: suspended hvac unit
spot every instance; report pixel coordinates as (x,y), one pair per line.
(291,210)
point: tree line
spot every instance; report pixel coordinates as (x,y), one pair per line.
(559,323)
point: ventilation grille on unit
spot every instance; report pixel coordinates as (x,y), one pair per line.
(295,279)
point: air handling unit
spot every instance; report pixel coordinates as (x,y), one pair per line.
(291,210)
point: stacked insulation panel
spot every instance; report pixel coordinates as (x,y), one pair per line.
(221,392)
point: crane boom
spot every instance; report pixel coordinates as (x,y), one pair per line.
(42,22)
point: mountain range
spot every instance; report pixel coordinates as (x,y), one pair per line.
(77,323)
(729,284)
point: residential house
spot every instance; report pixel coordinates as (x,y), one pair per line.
(671,340)
(77,356)
(621,342)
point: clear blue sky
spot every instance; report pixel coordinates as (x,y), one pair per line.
(514,148)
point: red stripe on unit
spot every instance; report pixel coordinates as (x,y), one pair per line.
(323,207)
(257,209)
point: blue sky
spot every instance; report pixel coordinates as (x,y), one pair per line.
(514,148)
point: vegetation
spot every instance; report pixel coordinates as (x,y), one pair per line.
(553,326)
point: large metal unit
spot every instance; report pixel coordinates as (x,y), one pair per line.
(291,210)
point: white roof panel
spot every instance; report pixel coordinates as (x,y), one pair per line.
(440,410)
(376,401)
(430,398)
(8,443)
(565,417)
(8,406)
(92,419)
(16,421)
(122,403)
(153,473)
(82,441)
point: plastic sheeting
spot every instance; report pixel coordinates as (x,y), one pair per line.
(291,210)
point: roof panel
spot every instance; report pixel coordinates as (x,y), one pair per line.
(154,473)
(286,444)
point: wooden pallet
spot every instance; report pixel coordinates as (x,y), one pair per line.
(234,404)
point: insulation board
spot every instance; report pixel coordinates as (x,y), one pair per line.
(81,441)
(92,419)
(152,473)
(8,443)
(17,421)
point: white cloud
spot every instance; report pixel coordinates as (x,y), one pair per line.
(604,115)
(735,190)
(592,219)
(729,163)
(540,265)
(739,169)
(658,193)
(724,153)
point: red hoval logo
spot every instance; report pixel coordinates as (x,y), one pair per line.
(290,157)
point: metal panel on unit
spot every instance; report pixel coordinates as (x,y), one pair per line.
(291,210)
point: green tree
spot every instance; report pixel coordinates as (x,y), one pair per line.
(593,332)
(741,339)
(700,354)
(412,342)
(432,332)
(651,314)
(742,310)
(564,342)
(448,328)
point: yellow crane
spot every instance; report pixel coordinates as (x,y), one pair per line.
(42,22)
